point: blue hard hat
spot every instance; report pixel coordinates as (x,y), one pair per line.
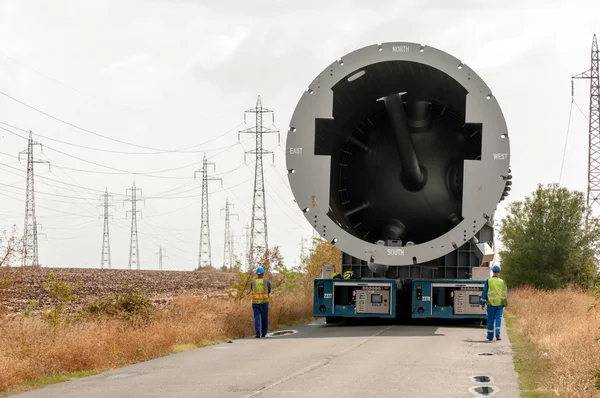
(260,271)
(496,268)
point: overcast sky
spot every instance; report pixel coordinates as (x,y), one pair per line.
(176,74)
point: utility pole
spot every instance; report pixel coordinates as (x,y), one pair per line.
(105,261)
(259,239)
(228,253)
(134,250)
(593,188)
(160,257)
(205,254)
(30,232)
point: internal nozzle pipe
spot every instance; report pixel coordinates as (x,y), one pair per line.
(413,177)
(419,115)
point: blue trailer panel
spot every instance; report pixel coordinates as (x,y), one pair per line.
(335,299)
(447,299)
(355,298)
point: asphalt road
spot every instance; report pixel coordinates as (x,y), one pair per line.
(318,361)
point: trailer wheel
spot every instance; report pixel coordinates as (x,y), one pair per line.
(332,320)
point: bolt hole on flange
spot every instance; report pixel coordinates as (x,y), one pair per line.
(481,391)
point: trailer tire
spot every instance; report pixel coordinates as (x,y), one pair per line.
(332,320)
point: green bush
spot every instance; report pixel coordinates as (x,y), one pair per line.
(131,306)
(61,293)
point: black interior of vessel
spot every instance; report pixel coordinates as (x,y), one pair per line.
(377,192)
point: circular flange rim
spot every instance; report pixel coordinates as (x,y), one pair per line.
(313,104)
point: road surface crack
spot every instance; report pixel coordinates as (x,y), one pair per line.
(318,364)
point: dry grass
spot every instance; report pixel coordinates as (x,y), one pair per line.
(564,332)
(31,349)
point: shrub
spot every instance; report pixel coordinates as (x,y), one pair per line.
(131,306)
(61,293)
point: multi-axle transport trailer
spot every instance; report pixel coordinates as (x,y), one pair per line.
(398,154)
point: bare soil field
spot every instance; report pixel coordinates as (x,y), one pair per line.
(160,286)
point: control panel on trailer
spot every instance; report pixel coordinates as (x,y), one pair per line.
(360,298)
(447,299)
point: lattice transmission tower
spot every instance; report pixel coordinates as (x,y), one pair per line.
(228,249)
(134,249)
(593,188)
(161,256)
(105,261)
(259,238)
(30,231)
(205,253)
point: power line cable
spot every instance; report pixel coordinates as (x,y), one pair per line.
(116,222)
(126,152)
(154,197)
(70,87)
(121,171)
(566,141)
(97,134)
(47,208)
(584,115)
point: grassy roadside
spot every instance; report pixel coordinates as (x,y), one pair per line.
(554,337)
(530,363)
(60,378)
(34,354)
(46,381)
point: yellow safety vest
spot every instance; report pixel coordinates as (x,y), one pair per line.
(496,294)
(260,291)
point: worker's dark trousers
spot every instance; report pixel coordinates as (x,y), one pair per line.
(494,318)
(261,318)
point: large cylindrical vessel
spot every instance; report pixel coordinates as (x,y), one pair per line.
(398,154)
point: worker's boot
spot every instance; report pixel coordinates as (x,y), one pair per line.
(498,338)
(257,335)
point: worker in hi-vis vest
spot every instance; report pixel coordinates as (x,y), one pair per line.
(261,288)
(495,295)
